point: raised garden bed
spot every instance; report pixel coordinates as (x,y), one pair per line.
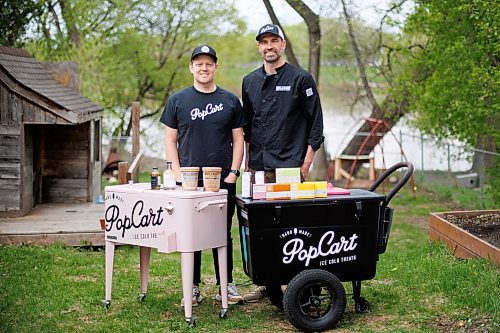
(468,234)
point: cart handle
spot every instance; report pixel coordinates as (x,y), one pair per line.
(401,182)
(202,205)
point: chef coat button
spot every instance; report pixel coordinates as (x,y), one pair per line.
(264,125)
(264,147)
(263,100)
(274,100)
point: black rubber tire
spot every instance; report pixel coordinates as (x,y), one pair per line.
(275,295)
(362,305)
(309,311)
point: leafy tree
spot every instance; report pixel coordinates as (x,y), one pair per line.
(455,91)
(130,50)
(14,18)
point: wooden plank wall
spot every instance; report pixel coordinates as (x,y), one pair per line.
(10,168)
(10,153)
(65,164)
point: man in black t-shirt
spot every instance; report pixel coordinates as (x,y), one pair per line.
(204,128)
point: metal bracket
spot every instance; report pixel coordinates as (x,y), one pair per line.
(169,208)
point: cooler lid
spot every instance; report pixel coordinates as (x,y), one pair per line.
(128,188)
(177,193)
(181,194)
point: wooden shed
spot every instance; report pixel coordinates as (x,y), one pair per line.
(50,138)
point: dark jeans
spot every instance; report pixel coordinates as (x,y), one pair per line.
(231,205)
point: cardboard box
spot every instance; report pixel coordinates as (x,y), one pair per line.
(258,191)
(319,189)
(302,191)
(278,192)
(287,175)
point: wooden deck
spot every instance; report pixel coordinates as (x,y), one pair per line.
(68,224)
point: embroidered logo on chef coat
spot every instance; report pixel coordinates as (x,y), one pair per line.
(283,88)
(309,92)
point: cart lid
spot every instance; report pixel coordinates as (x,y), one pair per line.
(177,193)
(355,195)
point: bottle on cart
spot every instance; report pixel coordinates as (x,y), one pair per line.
(155,179)
(246,185)
(169,177)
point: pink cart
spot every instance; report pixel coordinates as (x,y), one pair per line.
(168,220)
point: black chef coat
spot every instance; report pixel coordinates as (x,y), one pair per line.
(284,116)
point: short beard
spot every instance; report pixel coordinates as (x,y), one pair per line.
(274,60)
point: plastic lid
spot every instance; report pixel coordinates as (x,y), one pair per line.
(212,169)
(190,169)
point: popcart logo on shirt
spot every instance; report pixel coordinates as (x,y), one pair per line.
(209,109)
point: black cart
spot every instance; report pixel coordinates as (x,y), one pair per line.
(312,245)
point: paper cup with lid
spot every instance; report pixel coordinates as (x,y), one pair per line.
(189,176)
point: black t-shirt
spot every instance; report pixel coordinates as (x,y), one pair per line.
(204,122)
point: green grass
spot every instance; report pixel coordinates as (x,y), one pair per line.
(443,185)
(419,287)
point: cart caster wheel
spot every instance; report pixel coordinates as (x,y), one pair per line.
(141,297)
(191,322)
(362,305)
(275,295)
(223,314)
(314,300)
(106,304)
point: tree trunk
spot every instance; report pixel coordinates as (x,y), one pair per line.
(381,119)
(289,50)
(312,22)
(74,34)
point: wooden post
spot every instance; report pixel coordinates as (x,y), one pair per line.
(371,172)
(123,173)
(338,166)
(136,136)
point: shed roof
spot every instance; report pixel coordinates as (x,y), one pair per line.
(31,74)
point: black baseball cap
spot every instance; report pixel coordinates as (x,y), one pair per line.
(204,49)
(270,29)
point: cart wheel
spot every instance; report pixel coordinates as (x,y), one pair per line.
(275,294)
(106,304)
(223,314)
(141,297)
(314,300)
(191,322)
(362,305)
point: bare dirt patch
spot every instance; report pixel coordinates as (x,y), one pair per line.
(473,324)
